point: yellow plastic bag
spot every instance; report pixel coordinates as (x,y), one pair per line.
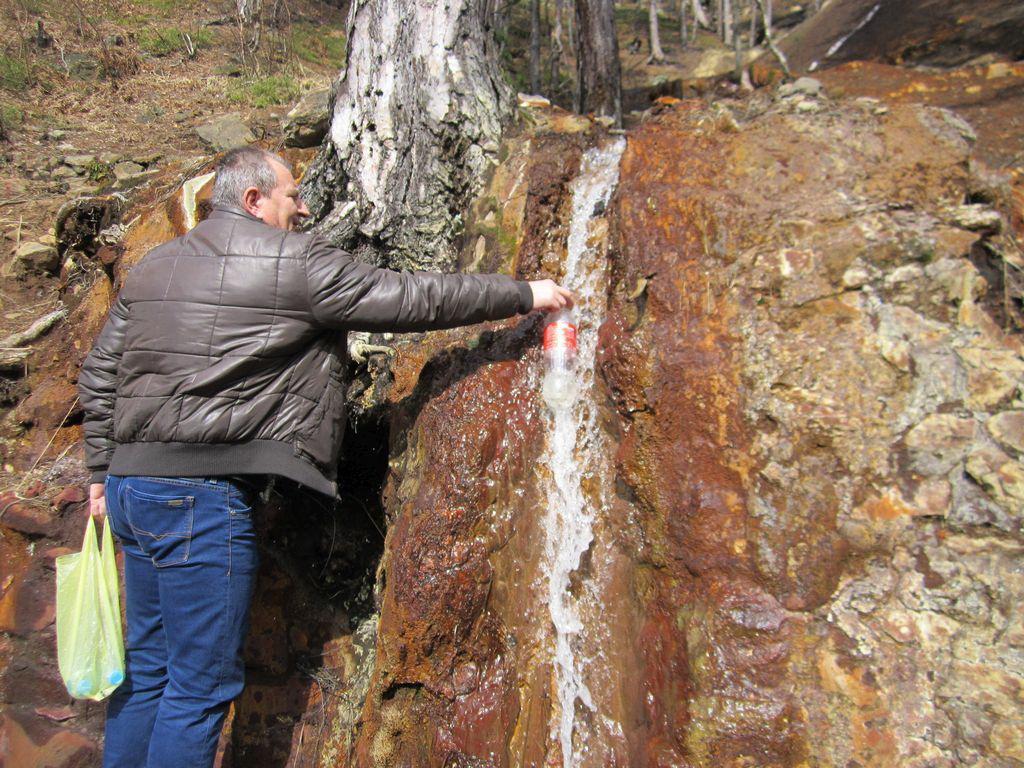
(90,646)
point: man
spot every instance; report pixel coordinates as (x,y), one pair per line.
(224,357)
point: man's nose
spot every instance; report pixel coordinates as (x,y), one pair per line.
(303,210)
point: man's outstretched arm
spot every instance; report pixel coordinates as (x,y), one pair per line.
(345,293)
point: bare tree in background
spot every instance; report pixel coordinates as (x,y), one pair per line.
(727,25)
(657,54)
(683,32)
(417,119)
(765,6)
(556,46)
(249,15)
(598,75)
(699,15)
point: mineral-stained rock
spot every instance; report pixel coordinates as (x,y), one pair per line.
(940,442)
(27,517)
(976,218)
(27,743)
(993,375)
(1001,476)
(1008,429)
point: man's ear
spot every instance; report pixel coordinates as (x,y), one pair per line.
(251,200)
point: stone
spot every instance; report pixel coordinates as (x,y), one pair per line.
(940,442)
(976,218)
(28,745)
(82,66)
(306,123)
(27,518)
(933,498)
(715,62)
(1000,476)
(48,405)
(63,172)
(128,174)
(225,132)
(80,163)
(533,101)
(126,170)
(1007,739)
(807,107)
(109,158)
(148,158)
(993,376)
(28,604)
(998,69)
(1007,429)
(71,495)
(37,258)
(804,86)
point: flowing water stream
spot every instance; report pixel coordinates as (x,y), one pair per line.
(574,449)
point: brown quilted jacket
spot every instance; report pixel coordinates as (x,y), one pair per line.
(225,352)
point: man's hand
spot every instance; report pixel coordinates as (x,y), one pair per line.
(549,295)
(97,502)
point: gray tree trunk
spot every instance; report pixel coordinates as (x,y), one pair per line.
(598,73)
(657,55)
(248,10)
(417,117)
(699,16)
(683,32)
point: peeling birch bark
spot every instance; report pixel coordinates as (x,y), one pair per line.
(417,117)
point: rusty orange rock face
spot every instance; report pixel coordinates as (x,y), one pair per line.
(714,640)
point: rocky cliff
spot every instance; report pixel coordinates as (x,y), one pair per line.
(783,530)
(804,488)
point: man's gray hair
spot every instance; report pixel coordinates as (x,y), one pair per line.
(242,168)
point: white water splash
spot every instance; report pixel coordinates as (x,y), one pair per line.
(575,441)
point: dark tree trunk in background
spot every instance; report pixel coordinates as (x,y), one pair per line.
(598,75)
(417,117)
(534,46)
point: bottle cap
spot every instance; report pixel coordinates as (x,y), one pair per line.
(560,334)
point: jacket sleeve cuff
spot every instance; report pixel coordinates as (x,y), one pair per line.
(98,476)
(525,296)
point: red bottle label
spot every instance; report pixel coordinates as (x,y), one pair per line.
(560,335)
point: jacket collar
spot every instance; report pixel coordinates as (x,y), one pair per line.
(230,212)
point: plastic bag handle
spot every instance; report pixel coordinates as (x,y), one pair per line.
(89,551)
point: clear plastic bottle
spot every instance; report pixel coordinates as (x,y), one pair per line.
(560,383)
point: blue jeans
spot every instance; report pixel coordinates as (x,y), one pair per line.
(190,564)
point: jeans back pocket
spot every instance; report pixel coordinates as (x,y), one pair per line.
(162,524)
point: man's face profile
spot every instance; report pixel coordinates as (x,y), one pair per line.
(283,207)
